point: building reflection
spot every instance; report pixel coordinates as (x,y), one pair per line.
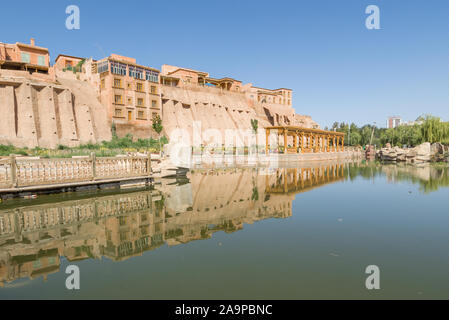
(121,226)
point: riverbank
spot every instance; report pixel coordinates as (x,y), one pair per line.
(117,146)
(425,152)
(271,160)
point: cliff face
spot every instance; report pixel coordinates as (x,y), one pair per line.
(38,110)
(43,113)
(207,110)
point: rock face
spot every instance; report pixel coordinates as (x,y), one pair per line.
(44,113)
(425,152)
(207,115)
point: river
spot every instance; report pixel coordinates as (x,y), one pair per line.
(241,233)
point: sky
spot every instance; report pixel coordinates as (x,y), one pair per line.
(339,70)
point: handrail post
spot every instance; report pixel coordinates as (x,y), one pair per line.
(93,158)
(13,171)
(149,164)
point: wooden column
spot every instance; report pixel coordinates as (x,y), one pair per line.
(285,141)
(309,142)
(279,139)
(294,142)
(305,142)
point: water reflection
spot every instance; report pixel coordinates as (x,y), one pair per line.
(430,177)
(33,238)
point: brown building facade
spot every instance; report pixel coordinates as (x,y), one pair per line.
(21,56)
(130,92)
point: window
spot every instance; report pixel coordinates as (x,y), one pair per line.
(117,83)
(152,76)
(130,115)
(139,87)
(129,85)
(136,73)
(41,60)
(118,99)
(118,68)
(103,84)
(153,90)
(154,104)
(118,113)
(140,102)
(102,66)
(141,114)
(130,101)
(25,57)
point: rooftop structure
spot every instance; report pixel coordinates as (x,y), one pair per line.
(66,62)
(177,76)
(27,57)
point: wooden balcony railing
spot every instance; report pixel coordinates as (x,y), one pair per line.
(23,172)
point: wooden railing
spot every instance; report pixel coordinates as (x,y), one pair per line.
(26,172)
(64,214)
(5,173)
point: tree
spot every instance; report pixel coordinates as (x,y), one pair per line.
(114,131)
(157,127)
(335,125)
(255,126)
(433,130)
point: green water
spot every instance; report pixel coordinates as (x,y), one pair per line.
(296,233)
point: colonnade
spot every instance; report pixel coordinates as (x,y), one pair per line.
(304,140)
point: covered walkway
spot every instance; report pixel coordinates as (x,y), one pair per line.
(291,139)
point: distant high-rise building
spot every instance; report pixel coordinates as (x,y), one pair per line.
(393,122)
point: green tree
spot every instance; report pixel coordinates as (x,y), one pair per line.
(157,127)
(114,131)
(255,126)
(433,130)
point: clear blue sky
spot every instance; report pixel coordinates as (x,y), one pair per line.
(338,69)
